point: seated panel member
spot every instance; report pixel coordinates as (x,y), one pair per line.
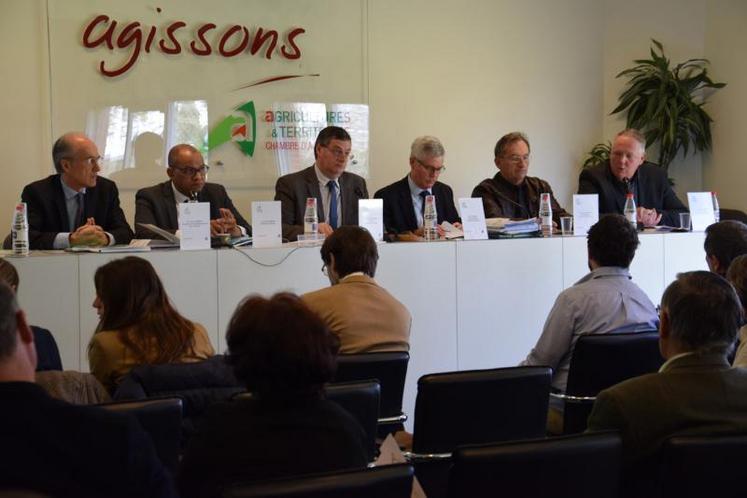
(362,314)
(628,171)
(75,206)
(404,199)
(187,171)
(336,191)
(511,193)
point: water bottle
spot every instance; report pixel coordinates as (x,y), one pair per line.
(310,218)
(430,219)
(716,211)
(20,231)
(629,209)
(545,213)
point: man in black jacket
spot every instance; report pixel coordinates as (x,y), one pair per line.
(404,199)
(626,171)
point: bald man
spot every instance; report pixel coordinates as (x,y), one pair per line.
(75,207)
(187,173)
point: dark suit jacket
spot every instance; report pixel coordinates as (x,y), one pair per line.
(47,213)
(60,449)
(156,205)
(292,191)
(649,185)
(47,353)
(399,213)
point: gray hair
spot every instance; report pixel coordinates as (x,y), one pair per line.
(635,135)
(426,146)
(8,324)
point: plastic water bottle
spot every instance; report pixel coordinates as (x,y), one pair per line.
(430,219)
(20,231)
(310,218)
(629,210)
(716,211)
(545,213)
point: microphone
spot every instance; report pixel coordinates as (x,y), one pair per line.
(504,197)
(626,181)
(193,197)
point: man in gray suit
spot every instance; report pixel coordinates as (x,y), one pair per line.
(336,191)
(695,391)
(187,171)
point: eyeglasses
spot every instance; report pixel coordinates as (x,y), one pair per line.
(431,169)
(516,159)
(91,160)
(324,271)
(340,154)
(192,172)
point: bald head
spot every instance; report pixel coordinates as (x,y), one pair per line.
(187,169)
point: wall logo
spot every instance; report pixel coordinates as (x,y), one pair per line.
(235,128)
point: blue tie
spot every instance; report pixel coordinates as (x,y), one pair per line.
(79,212)
(423,195)
(332,203)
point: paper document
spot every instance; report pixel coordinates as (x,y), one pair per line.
(450,231)
(472,213)
(701,210)
(160,231)
(371,217)
(194,225)
(266,224)
(109,249)
(585,212)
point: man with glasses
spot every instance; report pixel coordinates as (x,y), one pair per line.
(75,207)
(336,190)
(511,193)
(404,200)
(628,171)
(187,171)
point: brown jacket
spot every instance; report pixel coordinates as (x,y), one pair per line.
(504,200)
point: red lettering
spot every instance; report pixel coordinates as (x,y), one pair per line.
(227,35)
(260,38)
(175,48)
(296,53)
(131,33)
(269,116)
(205,50)
(149,42)
(106,36)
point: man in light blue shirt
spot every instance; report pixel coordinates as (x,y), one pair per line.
(604,301)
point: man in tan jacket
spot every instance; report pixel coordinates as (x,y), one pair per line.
(361,313)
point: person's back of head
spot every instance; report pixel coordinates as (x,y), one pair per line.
(280,349)
(701,312)
(724,241)
(17,352)
(8,274)
(350,249)
(737,276)
(612,241)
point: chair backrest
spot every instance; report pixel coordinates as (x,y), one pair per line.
(161,419)
(361,400)
(480,406)
(390,369)
(580,466)
(390,481)
(703,466)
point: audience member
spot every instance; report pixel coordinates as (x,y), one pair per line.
(724,241)
(737,276)
(57,449)
(336,191)
(75,206)
(511,193)
(138,324)
(604,301)
(695,392)
(627,171)
(284,354)
(187,171)
(404,200)
(364,316)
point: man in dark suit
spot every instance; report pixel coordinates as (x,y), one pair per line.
(75,206)
(58,449)
(187,171)
(404,199)
(695,391)
(336,191)
(626,171)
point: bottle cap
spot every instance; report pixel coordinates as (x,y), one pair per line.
(629,195)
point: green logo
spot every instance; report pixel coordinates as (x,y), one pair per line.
(234,129)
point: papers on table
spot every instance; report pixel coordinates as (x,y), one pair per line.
(450,231)
(585,212)
(371,217)
(109,249)
(508,227)
(701,210)
(194,225)
(266,224)
(473,218)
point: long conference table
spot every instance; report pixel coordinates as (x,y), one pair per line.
(475,304)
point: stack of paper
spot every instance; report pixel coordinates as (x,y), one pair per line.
(508,227)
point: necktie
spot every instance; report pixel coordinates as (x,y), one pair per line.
(423,195)
(80,212)
(332,203)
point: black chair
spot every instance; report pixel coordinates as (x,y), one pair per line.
(390,369)
(580,466)
(161,419)
(390,481)
(703,466)
(361,400)
(199,384)
(600,361)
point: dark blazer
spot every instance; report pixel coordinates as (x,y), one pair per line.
(156,206)
(292,191)
(47,214)
(399,213)
(59,449)
(649,185)
(47,353)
